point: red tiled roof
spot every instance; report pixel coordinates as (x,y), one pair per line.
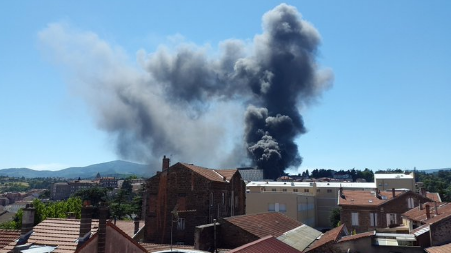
(265,244)
(128,226)
(357,236)
(330,236)
(210,174)
(59,232)
(264,224)
(434,196)
(365,198)
(446,248)
(8,236)
(415,214)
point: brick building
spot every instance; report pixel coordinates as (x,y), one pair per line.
(64,190)
(364,210)
(430,223)
(183,196)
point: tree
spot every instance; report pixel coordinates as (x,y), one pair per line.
(43,211)
(94,195)
(334,217)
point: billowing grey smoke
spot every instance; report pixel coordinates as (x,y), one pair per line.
(184,102)
(282,74)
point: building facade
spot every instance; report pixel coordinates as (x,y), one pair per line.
(64,190)
(184,196)
(364,211)
(308,202)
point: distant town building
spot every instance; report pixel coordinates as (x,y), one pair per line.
(61,191)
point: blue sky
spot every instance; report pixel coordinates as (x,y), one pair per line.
(389,105)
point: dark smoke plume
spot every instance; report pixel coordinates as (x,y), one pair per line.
(185,102)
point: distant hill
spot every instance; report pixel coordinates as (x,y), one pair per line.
(113,168)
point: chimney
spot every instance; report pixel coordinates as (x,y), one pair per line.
(423,191)
(165,163)
(428,214)
(393,192)
(136,221)
(101,239)
(420,206)
(436,207)
(85,222)
(27,223)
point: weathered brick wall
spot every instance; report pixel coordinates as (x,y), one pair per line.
(397,206)
(204,237)
(231,236)
(440,232)
(191,191)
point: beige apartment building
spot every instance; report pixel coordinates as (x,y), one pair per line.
(398,181)
(312,202)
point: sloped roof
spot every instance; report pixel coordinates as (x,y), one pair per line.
(8,236)
(415,214)
(128,227)
(446,248)
(6,216)
(118,230)
(434,196)
(357,236)
(210,174)
(301,237)
(59,232)
(264,224)
(365,198)
(265,244)
(330,236)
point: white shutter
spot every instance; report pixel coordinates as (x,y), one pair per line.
(355,219)
(373,219)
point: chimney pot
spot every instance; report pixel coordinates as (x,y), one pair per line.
(428,214)
(166,162)
(136,221)
(423,192)
(27,220)
(85,222)
(393,192)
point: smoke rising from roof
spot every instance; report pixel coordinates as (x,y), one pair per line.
(188,103)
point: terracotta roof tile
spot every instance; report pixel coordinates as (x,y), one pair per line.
(210,174)
(264,224)
(415,214)
(265,244)
(446,248)
(356,236)
(59,232)
(365,198)
(434,196)
(128,226)
(8,236)
(330,236)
